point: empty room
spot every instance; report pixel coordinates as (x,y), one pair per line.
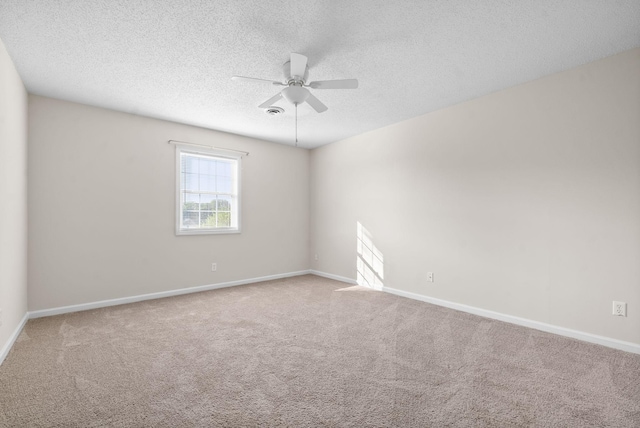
(319,213)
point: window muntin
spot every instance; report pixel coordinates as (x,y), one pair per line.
(208,192)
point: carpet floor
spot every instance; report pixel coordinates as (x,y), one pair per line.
(307,352)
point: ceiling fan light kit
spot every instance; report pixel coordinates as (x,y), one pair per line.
(296,72)
(295,94)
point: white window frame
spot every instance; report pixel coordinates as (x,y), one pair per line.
(236,193)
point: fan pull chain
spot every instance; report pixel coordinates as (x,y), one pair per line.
(296,124)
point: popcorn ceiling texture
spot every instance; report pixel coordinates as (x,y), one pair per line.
(174,59)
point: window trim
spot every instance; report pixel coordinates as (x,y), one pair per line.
(207,152)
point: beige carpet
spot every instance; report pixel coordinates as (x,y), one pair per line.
(307,351)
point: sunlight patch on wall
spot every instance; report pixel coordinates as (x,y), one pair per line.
(370,261)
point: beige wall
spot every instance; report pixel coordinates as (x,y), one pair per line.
(524,202)
(13,197)
(102,213)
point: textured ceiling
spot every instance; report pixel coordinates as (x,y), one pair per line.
(174,59)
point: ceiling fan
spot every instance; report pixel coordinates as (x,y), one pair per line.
(296,72)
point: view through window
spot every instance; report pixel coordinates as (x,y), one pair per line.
(208,199)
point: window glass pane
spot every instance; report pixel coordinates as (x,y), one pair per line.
(190,164)
(207,166)
(224,219)
(190,219)
(224,168)
(207,183)
(224,203)
(190,182)
(224,185)
(190,201)
(207,203)
(191,197)
(207,219)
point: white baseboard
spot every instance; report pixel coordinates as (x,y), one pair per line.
(150,296)
(587,337)
(580,335)
(7,346)
(332,276)
(561,331)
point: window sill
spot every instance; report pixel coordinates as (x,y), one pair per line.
(186,232)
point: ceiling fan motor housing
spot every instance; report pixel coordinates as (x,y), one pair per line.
(286,70)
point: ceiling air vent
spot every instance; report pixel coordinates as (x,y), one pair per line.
(274,111)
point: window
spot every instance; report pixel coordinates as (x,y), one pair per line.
(208,185)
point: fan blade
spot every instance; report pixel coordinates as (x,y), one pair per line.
(298,65)
(335,84)
(316,104)
(271,100)
(254,79)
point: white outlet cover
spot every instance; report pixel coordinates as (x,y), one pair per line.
(619,309)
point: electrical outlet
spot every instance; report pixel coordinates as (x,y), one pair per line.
(316,257)
(214,267)
(619,309)
(430,276)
